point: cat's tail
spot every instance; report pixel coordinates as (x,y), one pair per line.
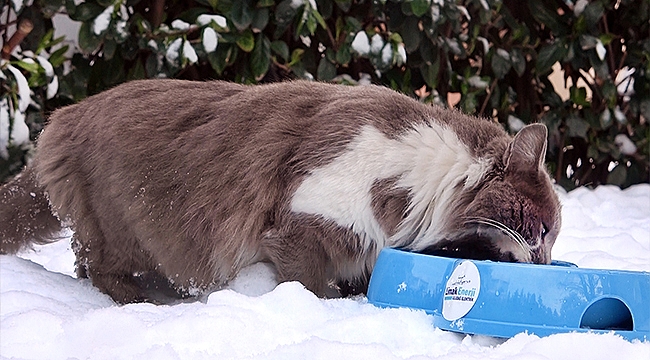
(26,217)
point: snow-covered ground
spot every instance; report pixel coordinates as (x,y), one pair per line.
(46,313)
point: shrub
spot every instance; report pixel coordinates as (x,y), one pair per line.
(490,58)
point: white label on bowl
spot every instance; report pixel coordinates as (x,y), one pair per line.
(461,291)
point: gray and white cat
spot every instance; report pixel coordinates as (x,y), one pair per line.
(191,181)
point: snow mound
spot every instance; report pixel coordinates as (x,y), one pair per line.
(46,313)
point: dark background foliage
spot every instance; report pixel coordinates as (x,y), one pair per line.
(490,58)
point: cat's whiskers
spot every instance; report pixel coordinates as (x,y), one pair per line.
(515,236)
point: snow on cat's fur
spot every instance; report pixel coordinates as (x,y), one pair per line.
(188,182)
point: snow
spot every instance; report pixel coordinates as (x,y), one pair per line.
(387,54)
(46,313)
(101,22)
(624,144)
(53,85)
(189,53)
(360,44)
(4,128)
(206,19)
(401,54)
(515,124)
(579,7)
(18,5)
(210,40)
(23,88)
(180,25)
(376,44)
(172,53)
(600,50)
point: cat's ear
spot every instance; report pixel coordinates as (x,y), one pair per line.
(527,150)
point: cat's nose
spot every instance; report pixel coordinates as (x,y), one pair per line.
(541,256)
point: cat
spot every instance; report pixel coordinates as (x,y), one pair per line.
(191,181)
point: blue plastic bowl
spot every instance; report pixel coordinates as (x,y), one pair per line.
(504,299)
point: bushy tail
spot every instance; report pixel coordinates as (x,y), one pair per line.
(25,215)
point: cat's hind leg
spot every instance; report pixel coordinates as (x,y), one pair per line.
(112,260)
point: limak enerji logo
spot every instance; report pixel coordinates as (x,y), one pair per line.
(461,291)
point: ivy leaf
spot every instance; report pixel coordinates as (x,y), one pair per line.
(261,57)
(246,41)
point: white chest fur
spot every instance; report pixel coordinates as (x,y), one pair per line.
(429,161)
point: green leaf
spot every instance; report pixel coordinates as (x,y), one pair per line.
(319,18)
(261,57)
(151,65)
(109,48)
(578,127)
(430,73)
(344,55)
(246,41)
(618,175)
(220,59)
(88,41)
(265,3)
(548,18)
(411,34)
(420,7)
(58,57)
(518,61)
(281,49)
(296,56)
(284,13)
(592,13)
(326,70)
(549,55)
(137,72)
(260,19)
(344,5)
(588,42)
(45,40)
(31,67)
(500,64)
(242,14)
(578,96)
(86,11)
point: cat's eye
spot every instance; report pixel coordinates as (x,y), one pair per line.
(544,230)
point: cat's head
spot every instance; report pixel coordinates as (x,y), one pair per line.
(514,215)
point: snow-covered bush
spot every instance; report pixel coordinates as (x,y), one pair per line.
(493,58)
